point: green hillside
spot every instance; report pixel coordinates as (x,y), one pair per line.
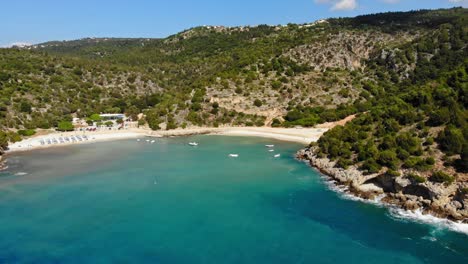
(404,74)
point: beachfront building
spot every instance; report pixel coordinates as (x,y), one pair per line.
(113,117)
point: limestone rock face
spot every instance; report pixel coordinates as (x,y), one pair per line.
(401,183)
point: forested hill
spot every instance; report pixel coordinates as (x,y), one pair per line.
(406,72)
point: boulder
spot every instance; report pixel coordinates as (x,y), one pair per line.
(401,183)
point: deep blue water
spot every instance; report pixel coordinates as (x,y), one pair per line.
(134,202)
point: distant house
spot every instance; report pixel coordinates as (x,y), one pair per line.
(112,116)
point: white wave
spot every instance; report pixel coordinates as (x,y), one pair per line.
(345,193)
(398,213)
(418,216)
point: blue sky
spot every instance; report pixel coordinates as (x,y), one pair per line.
(34,21)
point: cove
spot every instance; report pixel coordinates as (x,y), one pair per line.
(168,202)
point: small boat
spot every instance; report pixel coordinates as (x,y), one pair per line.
(271,150)
(233,155)
(152,141)
(147,140)
(193,143)
(138,140)
(269,146)
(277,155)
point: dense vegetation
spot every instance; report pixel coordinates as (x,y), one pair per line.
(415,117)
(403,74)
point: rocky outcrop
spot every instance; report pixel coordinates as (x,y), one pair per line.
(438,199)
(345,50)
(2,163)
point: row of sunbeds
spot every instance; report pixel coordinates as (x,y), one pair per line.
(63,140)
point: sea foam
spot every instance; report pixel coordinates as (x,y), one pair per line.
(395,212)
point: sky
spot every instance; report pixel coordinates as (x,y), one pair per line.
(36,21)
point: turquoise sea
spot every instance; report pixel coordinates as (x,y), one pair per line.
(135,202)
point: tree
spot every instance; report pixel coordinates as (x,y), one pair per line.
(3,141)
(95,118)
(388,158)
(25,107)
(133,112)
(451,140)
(65,126)
(462,163)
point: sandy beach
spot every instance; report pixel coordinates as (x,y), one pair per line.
(56,139)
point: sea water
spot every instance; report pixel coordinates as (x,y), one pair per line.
(168,202)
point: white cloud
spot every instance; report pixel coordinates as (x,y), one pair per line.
(340,5)
(460,2)
(343,5)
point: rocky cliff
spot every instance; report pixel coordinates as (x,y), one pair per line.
(442,200)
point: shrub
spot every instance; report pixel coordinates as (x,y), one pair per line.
(451,140)
(25,107)
(276,123)
(27,132)
(141,122)
(429,141)
(258,103)
(65,126)
(412,162)
(416,178)
(442,177)
(344,163)
(276,85)
(392,173)
(371,166)
(388,158)
(462,163)
(430,161)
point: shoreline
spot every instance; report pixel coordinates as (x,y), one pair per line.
(298,135)
(402,202)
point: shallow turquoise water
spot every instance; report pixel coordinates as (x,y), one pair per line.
(134,202)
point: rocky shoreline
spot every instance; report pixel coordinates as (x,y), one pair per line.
(2,164)
(437,199)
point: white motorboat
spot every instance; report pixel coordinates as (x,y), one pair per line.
(271,150)
(233,155)
(277,155)
(193,143)
(269,146)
